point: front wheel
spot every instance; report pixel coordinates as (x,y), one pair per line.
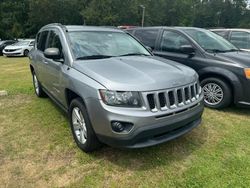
(81,127)
(25,53)
(217,93)
(37,86)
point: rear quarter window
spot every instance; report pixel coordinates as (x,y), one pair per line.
(147,37)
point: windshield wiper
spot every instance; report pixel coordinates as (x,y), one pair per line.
(215,51)
(131,54)
(94,57)
(232,50)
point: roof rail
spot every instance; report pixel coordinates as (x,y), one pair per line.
(56,24)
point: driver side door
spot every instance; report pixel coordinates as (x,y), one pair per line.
(170,47)
(54,68)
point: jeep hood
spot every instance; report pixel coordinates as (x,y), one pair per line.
(136,73)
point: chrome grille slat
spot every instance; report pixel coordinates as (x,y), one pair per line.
(173,98)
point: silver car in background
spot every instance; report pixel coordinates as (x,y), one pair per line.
(113,89)
(20,48)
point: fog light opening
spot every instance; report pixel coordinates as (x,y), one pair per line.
(121,127)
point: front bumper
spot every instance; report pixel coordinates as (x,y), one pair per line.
(242,96)
(149,128)
(14,53)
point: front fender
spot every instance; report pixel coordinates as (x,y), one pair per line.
(227,75)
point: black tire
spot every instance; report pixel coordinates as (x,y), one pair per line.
(38,90)
(25,53)
(91,141)
(226,93)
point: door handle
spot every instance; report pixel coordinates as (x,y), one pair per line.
(45,62)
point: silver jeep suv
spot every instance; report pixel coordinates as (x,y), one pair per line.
(114,90)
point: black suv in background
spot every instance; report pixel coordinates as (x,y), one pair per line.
(5,43)
(224,70)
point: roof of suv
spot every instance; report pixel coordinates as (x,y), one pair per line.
(232,29)
(166,27)
(82,27)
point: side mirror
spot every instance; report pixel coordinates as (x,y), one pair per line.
(52,53)
(188,49)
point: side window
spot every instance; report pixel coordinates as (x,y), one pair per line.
(172,42)
(240,39)
(54,41)
(41,40)
(147,36)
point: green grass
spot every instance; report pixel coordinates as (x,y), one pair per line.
(37,148)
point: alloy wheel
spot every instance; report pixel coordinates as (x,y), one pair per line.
(79,125)
(36,84)
(213,93)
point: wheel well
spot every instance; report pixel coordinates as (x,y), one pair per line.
(31,69)
(70,95)
(225,79)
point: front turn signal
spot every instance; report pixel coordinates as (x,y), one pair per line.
(247,73)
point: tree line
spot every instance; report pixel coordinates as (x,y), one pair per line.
(23,18)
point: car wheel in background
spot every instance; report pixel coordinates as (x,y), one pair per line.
(81,127)
(25,53)
(217,93)
(37,86)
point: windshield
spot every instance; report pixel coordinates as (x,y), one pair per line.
(103,44)
(210,41)
(22,43)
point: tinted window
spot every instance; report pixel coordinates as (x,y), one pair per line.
(41,40)
(172,42)
(240,39)
(147,37)
(54,41)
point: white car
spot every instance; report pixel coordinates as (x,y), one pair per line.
(21,48)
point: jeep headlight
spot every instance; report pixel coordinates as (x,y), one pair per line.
(121,98)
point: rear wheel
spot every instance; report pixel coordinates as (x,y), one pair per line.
(37,86)
(217,93)
(81,127)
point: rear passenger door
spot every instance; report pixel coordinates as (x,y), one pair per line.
(54,67)
(147,36)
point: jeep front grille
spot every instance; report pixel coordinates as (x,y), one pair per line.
(173,98)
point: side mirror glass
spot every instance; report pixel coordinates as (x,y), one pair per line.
(188,49)
(52,53)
